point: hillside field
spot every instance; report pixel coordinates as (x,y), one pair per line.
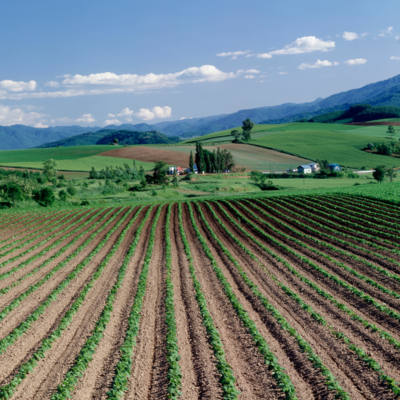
(280,298)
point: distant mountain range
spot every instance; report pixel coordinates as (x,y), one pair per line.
(384,93)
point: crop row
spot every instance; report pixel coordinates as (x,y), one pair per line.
(66,388)
(343,223)
(8,390)
(270,359)
(304,346)
(227,378)
(124,365)
(15,303)
(329,246)
(174,371)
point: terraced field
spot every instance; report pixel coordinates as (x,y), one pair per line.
(279,298)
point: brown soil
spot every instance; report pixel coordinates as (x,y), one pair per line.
(150,154)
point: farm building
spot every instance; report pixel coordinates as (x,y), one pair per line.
(195,170)
(304,169)
(315,167)
(334,167)
(179,170)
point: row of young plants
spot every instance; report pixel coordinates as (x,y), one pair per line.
(47,225)
(174,371)
(361,207)
(304,346)
(348,206)
(123,368)
(43,252)
(343,223)
(9,389)
(369,361)
(358,293)
(319,232)
(270,359)
(31,222)
(36,235)
(354,316)
(16,301)
(227,378)
(85,356)
(330,237)
(329,246)
(376,203)
(25,325)
(344,218)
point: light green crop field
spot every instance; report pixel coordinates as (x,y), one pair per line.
(344,148)
(312,126)
(379,131)
(56,153)
(387,120)
(83,164)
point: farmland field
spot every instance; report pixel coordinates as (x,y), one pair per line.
(270,298)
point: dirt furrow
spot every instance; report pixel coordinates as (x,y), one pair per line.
(97,378)
(50,370)
(336,356)
(252,376)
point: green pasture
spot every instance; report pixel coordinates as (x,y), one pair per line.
(56,153)
(387,120)
(379,131)
(311,126)
(344,148)
(82,164)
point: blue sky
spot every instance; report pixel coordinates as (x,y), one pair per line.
(68,62)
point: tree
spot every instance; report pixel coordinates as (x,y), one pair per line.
(49,168)
(11,191)
(141,174)
(191,162)
(71,190)
(93,174)
(258,177)
(175,181)
(390,130)
(236,134)
(379,173)
(62,195)
(199,157)
(45,196)
(247,127)
(391,173)
(115,141)
(159,173)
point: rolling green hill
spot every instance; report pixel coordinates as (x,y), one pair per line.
(126,137)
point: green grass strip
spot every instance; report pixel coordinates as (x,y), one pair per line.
(270,359)
(123,368)
(305,347)
(8,390)
(174,371)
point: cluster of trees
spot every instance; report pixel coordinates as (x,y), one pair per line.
(381,172)
(245,135)
(386,149)
(260,180)
(126,172)
(211,162)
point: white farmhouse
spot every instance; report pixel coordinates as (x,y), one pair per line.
(304,169)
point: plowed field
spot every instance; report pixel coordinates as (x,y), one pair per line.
(279,298)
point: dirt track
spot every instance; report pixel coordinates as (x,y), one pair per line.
(200,377)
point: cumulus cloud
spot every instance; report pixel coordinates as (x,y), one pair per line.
(112,122)
(156,112)
(388,31)
(318,64)
(13,86)
(395,58)
(233,54)
(111,115)
(306,44)
(283,73)
(15,115)
(350,36)
(40,125)
(249,76)
(53,84)
(86,118)
(126,112)
(252,71)
(356,61)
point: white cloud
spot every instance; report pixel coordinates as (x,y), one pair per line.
(13,86)
(356,61)
(306,44)
(126,112)
(156,112)
(318,64)
(60,120)
(111,115)
(86,118)
(387,31)
(15,115)
(249,76)
(283,73)
(395,58)
(350,36)
(182,118)
(112,122)
(53,84)
(233,54)
(40,125)
(253,71)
